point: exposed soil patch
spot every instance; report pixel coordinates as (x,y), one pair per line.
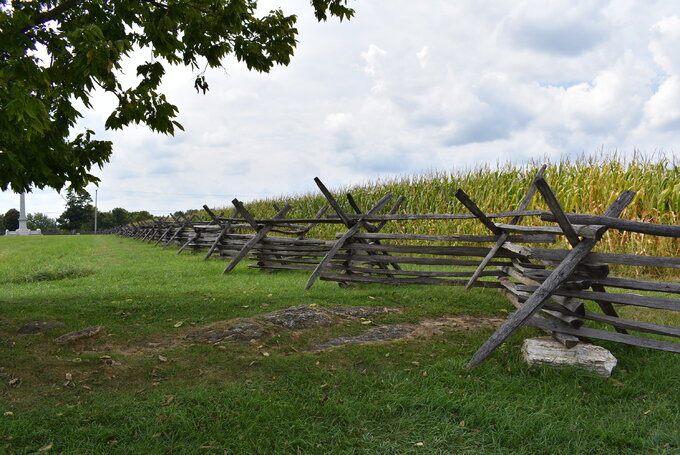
(242,330)
(305,317)
(301,317)
(430,327)
(87,332)
(358,312)
(35,327)
(147,344)
(425,328)
(382,333)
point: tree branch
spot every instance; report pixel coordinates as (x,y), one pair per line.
(49,15)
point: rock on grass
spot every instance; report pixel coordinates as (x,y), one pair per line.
(79,334)
(547,351)
(375,335)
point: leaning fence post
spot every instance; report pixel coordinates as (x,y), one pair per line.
(354,228)
(322,211)
(557,211)
(545,290)
(504,236)
(259,235)
(222,233)
(372,228)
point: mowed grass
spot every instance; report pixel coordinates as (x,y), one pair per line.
(272,397)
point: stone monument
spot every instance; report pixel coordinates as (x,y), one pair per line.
(23,229)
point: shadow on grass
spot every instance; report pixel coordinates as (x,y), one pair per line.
(64,273)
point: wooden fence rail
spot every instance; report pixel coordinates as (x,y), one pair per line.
(568,293)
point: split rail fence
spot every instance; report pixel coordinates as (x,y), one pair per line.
(550,287)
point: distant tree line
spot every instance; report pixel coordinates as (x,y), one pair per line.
(78,216)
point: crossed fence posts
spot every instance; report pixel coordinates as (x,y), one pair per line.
(531,296)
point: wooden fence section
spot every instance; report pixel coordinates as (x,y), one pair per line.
(429,259)
(240,236)
(568,293)
(557,282)
(571,288)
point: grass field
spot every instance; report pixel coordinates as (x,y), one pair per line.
(141,388)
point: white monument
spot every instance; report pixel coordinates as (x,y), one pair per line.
(23,229)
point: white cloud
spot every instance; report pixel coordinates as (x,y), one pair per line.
(371,57)
(337,120)
(662,110)
(423,56)
(665,44)
(610,103)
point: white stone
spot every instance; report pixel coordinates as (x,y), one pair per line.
(23,232)
(547,351)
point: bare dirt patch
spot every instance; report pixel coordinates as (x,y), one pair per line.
(301,317)
(35,327)
(306,317)
(380,334)
(430,327)
(423,329)
(81,334)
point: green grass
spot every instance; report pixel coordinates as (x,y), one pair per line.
(404,397)
(47,274)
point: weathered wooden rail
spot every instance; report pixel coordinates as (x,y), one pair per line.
(567,292)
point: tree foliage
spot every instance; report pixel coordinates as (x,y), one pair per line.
(41,221)
(79,211)
(120,217)
(54,54)
(11,219)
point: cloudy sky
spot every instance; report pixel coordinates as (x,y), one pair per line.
(404,87)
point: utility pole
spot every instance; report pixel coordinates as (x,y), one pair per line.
(95,210)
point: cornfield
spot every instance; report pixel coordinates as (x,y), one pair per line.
(587,184)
